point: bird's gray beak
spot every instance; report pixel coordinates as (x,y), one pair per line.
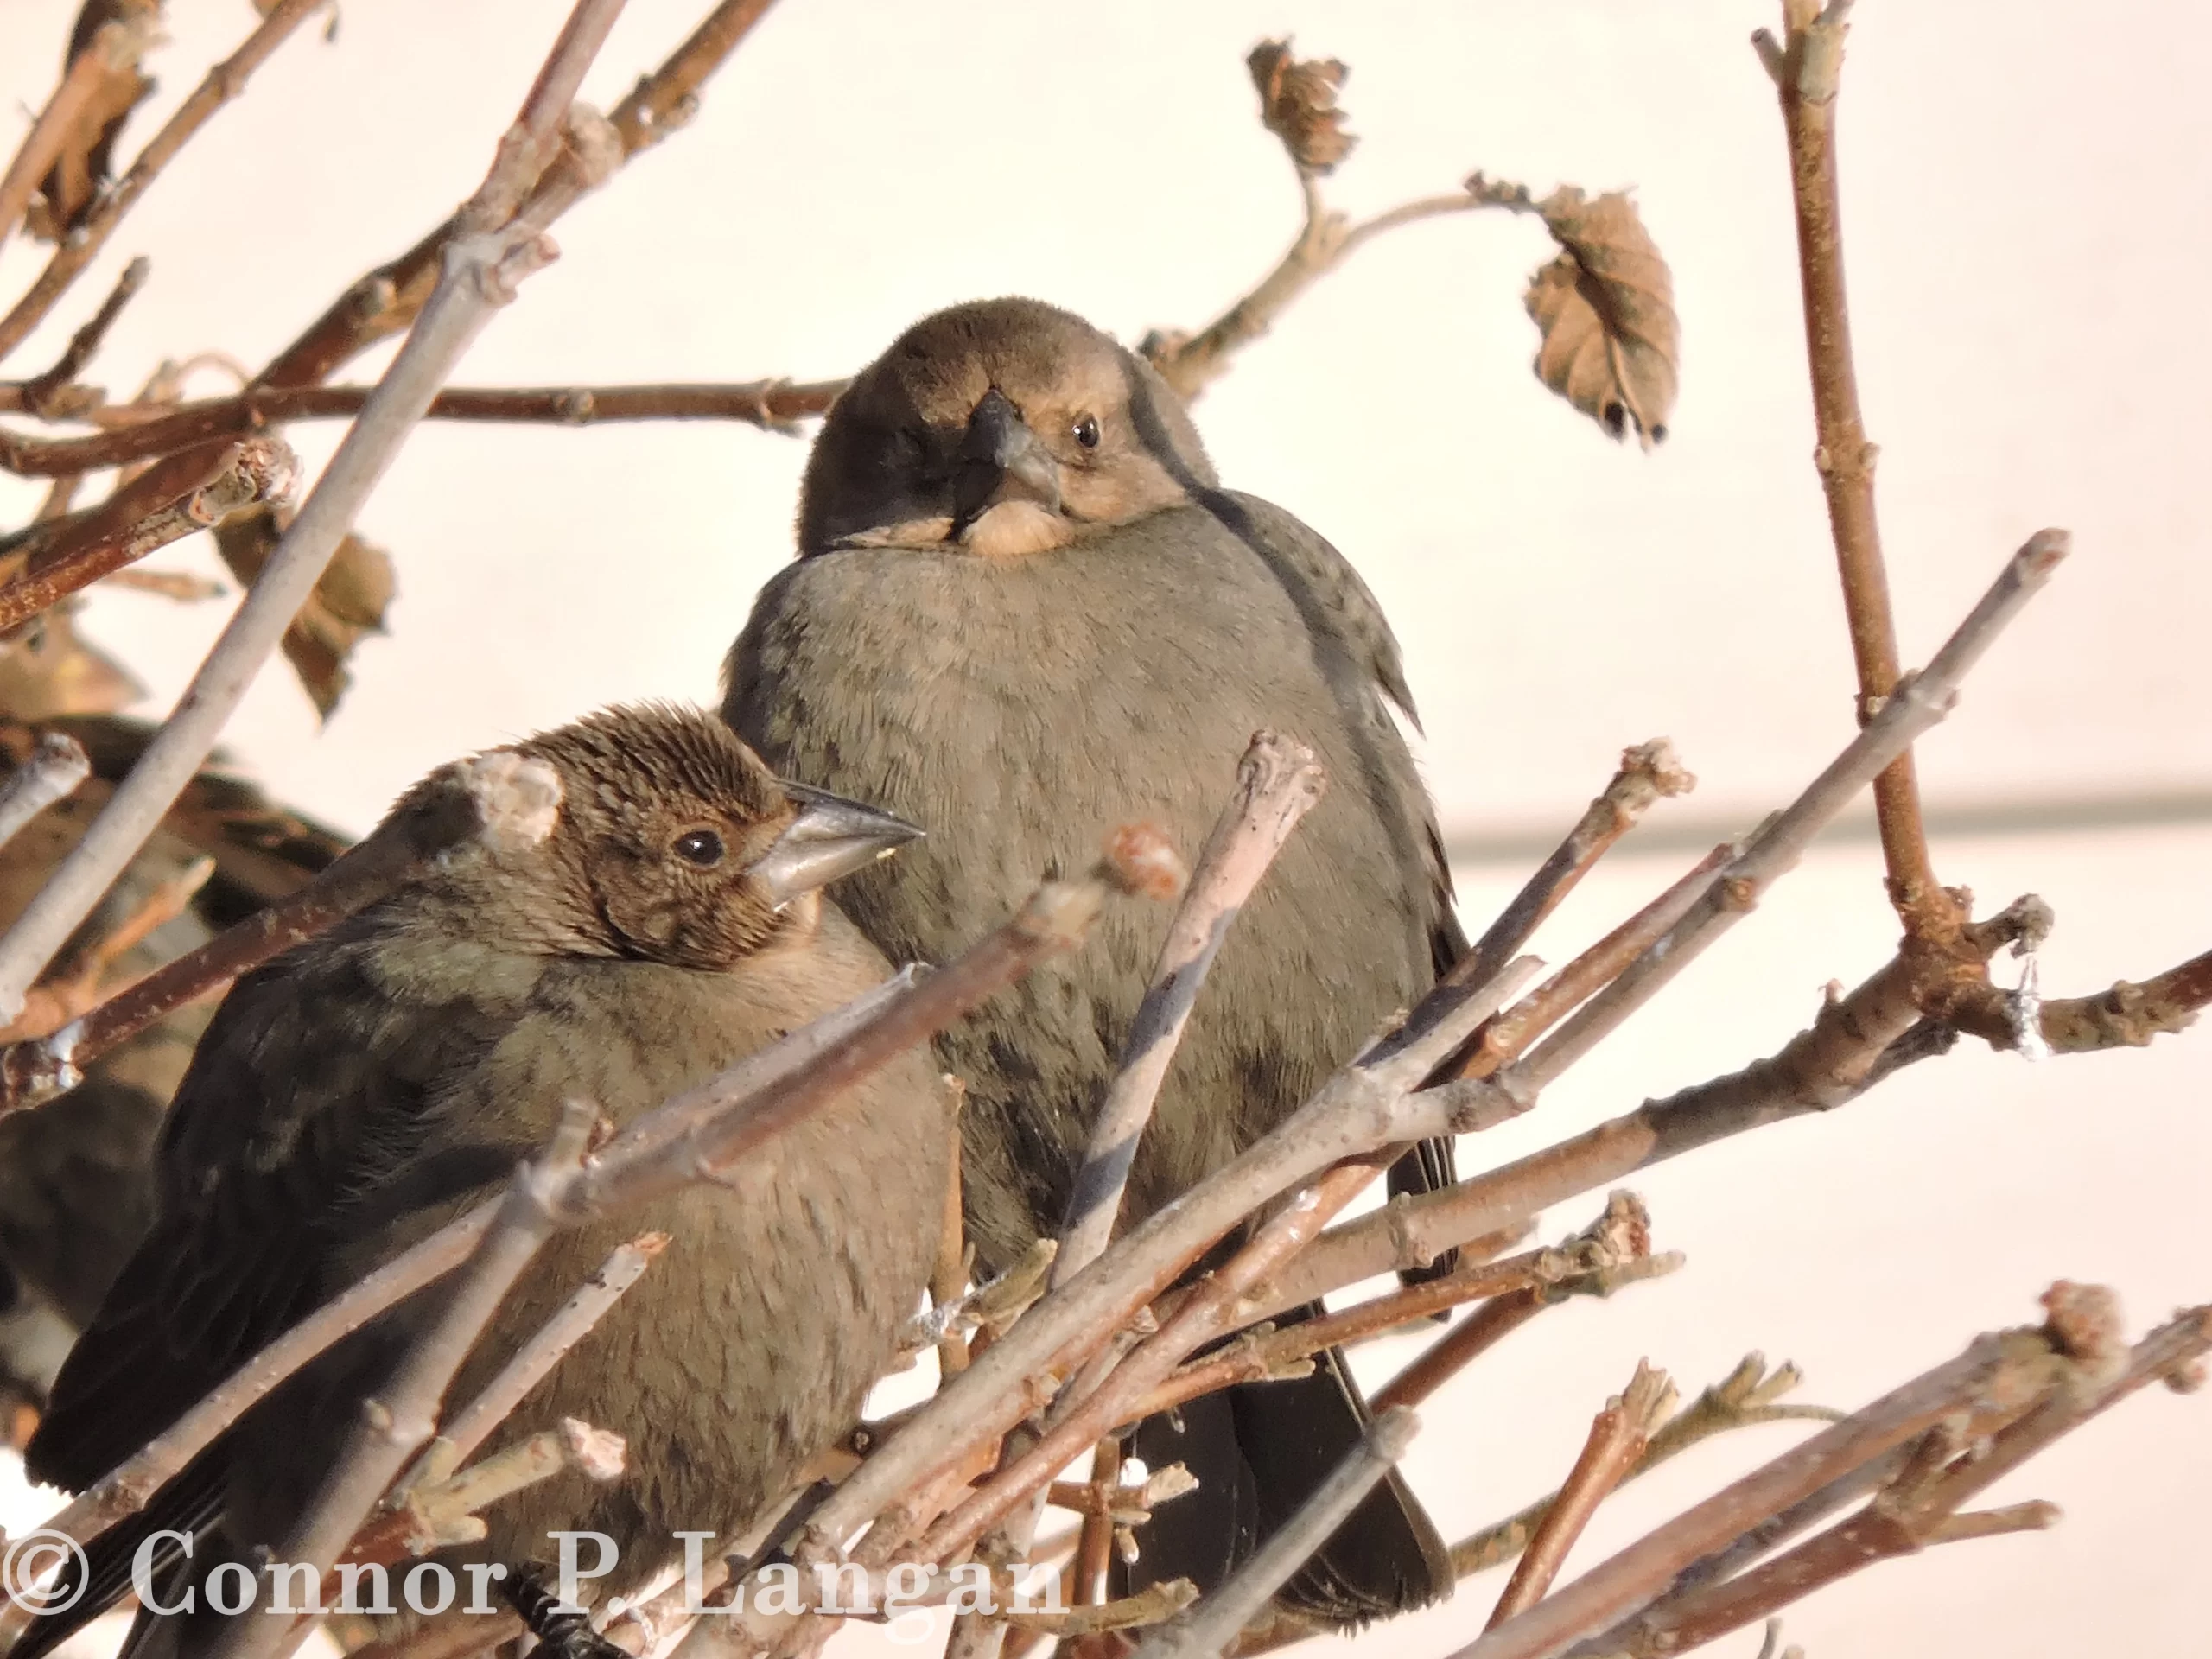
(1001,460)
(831,838)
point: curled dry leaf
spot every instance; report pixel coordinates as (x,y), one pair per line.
(117,31)
(1605,307)
(349,602)
(1298,103)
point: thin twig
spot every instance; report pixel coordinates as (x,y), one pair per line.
(949,1273)
(2037,1514)
(142,432)
(69,554)
(1190,363)
(1544,1273)
(1618,1436)
(2128,1015)
(1749,1397)
(1649,772)
(1213,1623)
(51,395)
(52,772)
(1846,456)
(469,1427)
(1094,1548)
(389,300)
(418,1519)
(996,1390)
(1225,1298)
(479,273)
(702,1131)
(2015,1378)
(222,83)
(385,302)
(1278,782)
(1205,1315)
(1459,1347)
(493,799)
(1920,1495)
(57,999)
(1509,1033)
(1618,1238)
(1432,1222)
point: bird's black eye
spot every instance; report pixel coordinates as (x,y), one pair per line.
(1086,432)
(700,847)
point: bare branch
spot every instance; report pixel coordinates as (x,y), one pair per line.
(1298,103)
(50,395)
(222,83)
(63,555)
(52,772)
(2127,1016)
(143,432)
(1649,772)
(2034,1515)
(480,272)
(385,302)
(1003,1384)
(1459,1347)
(1279,781)
(1619,1438)
(1814,49)
(416,1519)
(1543,1275)
(1659,1130)
(1921,1494)
(468,1428)
(702,1131)
(1748,1398)
(1618,1240)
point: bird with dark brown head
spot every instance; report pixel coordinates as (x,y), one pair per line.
(1005,428)
(1024,606)
(365,1088)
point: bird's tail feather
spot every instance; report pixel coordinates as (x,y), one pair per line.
(1259,1450)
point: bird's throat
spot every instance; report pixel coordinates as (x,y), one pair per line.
(1014,528)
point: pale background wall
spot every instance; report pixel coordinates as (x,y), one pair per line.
(2029,200)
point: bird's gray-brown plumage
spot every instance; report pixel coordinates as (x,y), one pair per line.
(1024,606)
(362,1089)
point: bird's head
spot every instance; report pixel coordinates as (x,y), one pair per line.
(674,844)
(1004,427)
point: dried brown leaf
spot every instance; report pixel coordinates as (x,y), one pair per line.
(84,168)
(349,602)
(1298,103)
(1605,306)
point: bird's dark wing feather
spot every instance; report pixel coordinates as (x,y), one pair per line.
(307,1090)
(1258,1450)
